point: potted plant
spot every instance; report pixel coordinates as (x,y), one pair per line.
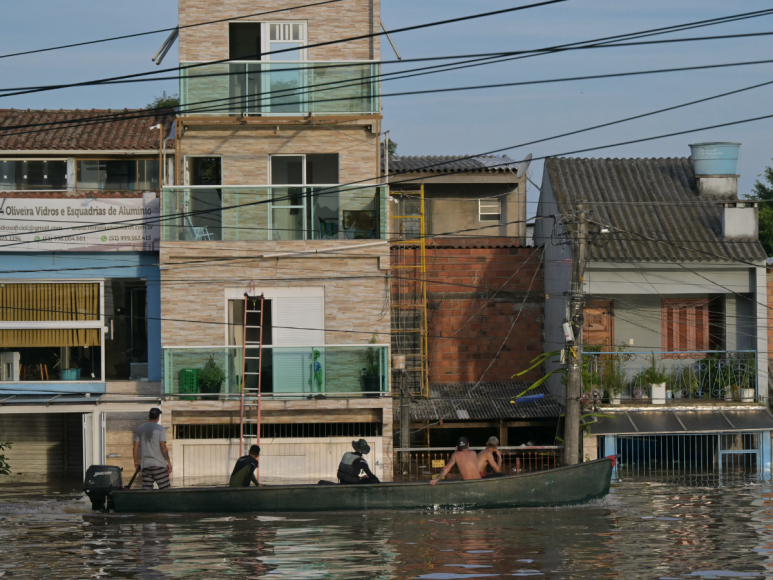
(371,372)
(211,376)
(749,370)
(615,379)
(656,376)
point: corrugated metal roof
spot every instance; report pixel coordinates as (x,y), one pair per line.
(621,422)
(451,164)
(81,130)
(487,401)
(656,198)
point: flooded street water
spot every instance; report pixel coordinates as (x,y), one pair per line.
(642,530)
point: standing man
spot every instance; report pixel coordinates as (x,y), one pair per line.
(352,464)
(150,444)
(465,459)
(490,456)
(247,469)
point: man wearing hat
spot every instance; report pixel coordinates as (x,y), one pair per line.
(352,464)
(465,459)
(150,446)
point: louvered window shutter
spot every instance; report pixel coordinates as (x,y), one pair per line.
(685,325)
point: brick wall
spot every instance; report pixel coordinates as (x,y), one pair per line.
(324,23)
(246,151)
(468,322)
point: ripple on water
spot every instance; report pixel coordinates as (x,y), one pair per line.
(645,530)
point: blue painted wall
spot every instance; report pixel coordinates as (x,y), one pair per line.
(78,265)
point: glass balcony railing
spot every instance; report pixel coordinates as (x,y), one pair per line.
(304,371)
(327,212)
(280,88)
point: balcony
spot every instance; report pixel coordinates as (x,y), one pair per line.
(690,377)
(280,88)
(215,372)
(329,212)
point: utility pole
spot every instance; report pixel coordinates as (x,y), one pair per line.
(573,352)
(405,421)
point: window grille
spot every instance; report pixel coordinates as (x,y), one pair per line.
(279,430)
(689,456)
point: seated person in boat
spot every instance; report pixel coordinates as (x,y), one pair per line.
(247,469)
(465,459)
(353,464)
(490,456)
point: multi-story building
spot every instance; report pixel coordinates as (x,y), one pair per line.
(277,161)
(80,347)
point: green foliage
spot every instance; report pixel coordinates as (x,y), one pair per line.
(654,374)
(615,373)
(762,190)
(590,368)
(164,101)
(211,376)
(5,468)
(371,359)
(391,148)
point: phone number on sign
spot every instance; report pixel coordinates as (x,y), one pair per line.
(126,238)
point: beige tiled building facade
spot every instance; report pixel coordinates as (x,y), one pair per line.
(278,193)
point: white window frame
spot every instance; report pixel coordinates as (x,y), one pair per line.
(274,293)
(271,195)
(485,207)
(54,324)
(265,39)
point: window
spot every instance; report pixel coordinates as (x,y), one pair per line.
(251,40)
(296,214)
(286,36)
(685,323)
(51,332)
(33,174)
(489,210)
(122,175)
(244,40)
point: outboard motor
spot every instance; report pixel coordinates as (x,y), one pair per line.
(101,480)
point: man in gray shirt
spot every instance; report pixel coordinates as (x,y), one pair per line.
(150,444)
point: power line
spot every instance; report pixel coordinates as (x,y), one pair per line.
(251,99)
(507,163)
(178,27)
(306,47)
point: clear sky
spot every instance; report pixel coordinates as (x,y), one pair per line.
(469,122)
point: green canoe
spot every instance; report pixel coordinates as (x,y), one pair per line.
(561,486)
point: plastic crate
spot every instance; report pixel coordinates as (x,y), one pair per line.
(189,382)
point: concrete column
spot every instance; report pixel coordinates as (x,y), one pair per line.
(154,326)
(764,455)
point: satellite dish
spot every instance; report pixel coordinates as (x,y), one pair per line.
(523,167)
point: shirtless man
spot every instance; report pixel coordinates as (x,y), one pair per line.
(465,460)
(487,457)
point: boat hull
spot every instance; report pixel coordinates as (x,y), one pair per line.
(569,485)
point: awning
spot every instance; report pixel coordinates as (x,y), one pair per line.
(641,422)
(59,400)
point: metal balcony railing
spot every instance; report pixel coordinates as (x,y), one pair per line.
(280,88)
(426,463)
(215,372)
(264,212)
(710,375)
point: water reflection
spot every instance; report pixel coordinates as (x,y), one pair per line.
(644,530)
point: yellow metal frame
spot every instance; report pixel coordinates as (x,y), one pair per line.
(419,300)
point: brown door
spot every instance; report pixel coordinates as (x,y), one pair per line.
(599,323)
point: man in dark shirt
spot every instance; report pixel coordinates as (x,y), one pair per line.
(246,469)
(352,464)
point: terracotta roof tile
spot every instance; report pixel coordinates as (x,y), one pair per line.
(80,130)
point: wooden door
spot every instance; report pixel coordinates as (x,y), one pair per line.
(598,328)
